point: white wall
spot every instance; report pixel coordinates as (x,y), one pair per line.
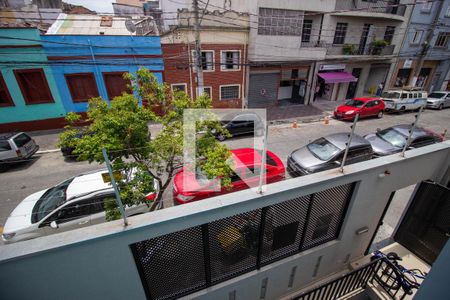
(96,262)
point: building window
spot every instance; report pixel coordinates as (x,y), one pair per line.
(229,92)
(208,91)
(82,86)
(447,12)
(207,60)
(272,21)
(442,39)
(339,35)
(306,31)
(106,21)
(5,96)
(182,87)
(417,37)
(116,84)
(389,34)
(230,60)
(34,86)
(426,6)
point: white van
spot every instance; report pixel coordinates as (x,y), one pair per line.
(403,100)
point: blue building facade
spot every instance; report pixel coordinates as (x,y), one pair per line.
(434,74)
(86,66)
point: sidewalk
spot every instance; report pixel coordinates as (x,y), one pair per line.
(48,139)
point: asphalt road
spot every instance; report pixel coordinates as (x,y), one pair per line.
(51,168)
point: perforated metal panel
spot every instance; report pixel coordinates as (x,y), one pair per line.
(284,228)
(233,244)
(326,215)
(171,265)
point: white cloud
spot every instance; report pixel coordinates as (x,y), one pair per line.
(96,5)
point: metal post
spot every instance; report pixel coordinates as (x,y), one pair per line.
(355,120)
(198,50)
(116,190)
(413,126)
(263,160)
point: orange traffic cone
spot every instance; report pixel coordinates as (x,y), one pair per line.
(294,124)
(326,121)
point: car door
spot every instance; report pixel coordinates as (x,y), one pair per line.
(370,109)
(6,152)
(73,215)
(356,155)
(239,125)
(421,142)
(98,214)
(447,100)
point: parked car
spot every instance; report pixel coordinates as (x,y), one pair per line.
(364,106)
(327,153)
(74,203)
(392,140)
(241,123)
(403,100)
(438,100)
(275,171)
(16,147)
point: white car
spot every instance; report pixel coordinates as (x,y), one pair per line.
(74,203)
(438,100)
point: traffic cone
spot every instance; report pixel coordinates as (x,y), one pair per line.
(326,121)
(444,133)
(294,124)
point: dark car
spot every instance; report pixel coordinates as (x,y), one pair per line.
(327,153)
(68,147)
(392,140)
(241,123)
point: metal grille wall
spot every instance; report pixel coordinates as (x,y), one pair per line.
(182,262)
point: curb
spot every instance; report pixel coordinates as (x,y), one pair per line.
(48,151)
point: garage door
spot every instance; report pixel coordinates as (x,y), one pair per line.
(263,89)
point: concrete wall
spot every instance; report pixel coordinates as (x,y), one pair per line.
(96,262)
(113,54)
(26,58)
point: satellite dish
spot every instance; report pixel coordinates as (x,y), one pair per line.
(131,27)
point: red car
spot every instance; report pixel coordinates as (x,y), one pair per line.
(364,106)
(275,171)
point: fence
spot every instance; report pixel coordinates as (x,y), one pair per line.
(388,7)
(180,263)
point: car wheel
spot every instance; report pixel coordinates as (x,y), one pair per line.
(221,137)
(402,109)
(380,114)
(441,106)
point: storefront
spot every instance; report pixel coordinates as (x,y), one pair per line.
(329,80)
(404,75)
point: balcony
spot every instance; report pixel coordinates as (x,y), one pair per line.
(392,10)
(356,49)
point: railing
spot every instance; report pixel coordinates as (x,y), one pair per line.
(356,49)
(387,7)
(357,281)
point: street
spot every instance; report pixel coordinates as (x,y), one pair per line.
(51,168)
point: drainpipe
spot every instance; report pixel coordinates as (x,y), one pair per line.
(97,71)
(246,74)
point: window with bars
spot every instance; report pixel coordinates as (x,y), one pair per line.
(207,60)
(5,96)
(339,34)
(442,39)
(229,92)
(230,60)
(208,91)
(82,86)
(34,86)
(272,21)
(389,34)
(179,87)
(306,31)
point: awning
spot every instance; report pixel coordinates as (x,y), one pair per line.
(337,77)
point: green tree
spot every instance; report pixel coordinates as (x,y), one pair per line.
(121,127)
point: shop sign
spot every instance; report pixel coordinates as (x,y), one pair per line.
(331,67)
(407,64)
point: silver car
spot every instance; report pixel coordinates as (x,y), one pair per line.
(327,153)
(16,147)
(438,100)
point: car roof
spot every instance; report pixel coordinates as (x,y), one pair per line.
(247,156)
(87,183)
(406,91)
(365,99)
(5,136)
(404,129)
(340,139)
(232,115)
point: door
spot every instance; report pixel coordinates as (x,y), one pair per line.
(70,216)
(352,86)
(425,228)
(364,39)
(263,89)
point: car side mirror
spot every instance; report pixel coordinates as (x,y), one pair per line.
(54,225)
(378,129)
(336,162)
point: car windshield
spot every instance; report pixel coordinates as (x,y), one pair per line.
(436,95)
(323,149)
(50,200)
(390,95)
(354,103)
(392,136)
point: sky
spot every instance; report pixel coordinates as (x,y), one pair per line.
(97,5)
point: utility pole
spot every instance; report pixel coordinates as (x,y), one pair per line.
(198,50)
(426,44)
